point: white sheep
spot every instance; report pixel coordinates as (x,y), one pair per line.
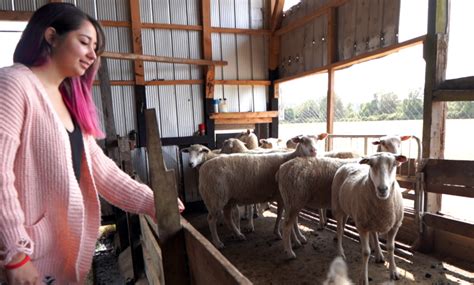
(305,181)
(337,274)
(390,143)
(198,154)
(270,143)
(245,179)
(249,138)
(369,193)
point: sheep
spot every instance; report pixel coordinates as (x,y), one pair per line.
(270,143)
(198,154)
(303,181)
(249,138)
(390,143)
(337,274)
(245,179)
(369,193)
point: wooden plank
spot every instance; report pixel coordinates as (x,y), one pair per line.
(151,254)
(455,246)
(139,71)
(277,15)
(117,82)
(308,46)
(463,83)
(450,190)
(317,46)
(173,82)
(163,184)
(449,224)
(210,82)
(444,95)
(375,24)
(131,56)
(332,39)
(229,115)
(330,108)
(206,264)
(358,59)
(347,30)
(239,121)
(256,32)
(362,27)
(243,82)
(21,16)
(171,27)
(455,172)
(106,23)
(391,16)
(206,29)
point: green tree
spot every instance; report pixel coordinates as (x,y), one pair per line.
(412,107)
(461,110)
(289,114)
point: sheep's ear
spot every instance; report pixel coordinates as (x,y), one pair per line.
(262,141)
(322,136)
(364,160)
(404,138)
(376,142)
(249,131)
(205,150)
(185,150)
(279,140)
(400,159)
(296,139)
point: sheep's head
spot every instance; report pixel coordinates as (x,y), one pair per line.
(233,146)
(249,138)
(270,143)
(197,154)
(383,170)
(390,143)
(307,145)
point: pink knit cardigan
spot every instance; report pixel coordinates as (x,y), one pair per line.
(44,211)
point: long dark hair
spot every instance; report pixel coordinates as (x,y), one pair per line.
(34,50)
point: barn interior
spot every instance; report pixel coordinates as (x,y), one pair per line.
(177,73)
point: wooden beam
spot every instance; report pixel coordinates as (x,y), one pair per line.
(444,95)
(206,29)
(449,225)
(210,82)
(243,82)
(330,108)
(332,36)
(303,21)
(117,82)
(358,59)
(139,71)
(20,16)
(277,15)
(450,190)
(462,83)
(241,121)
(106,23)
(171,27)
(173,82)
(258,32)
(246,115)
(131,56)
(454,172)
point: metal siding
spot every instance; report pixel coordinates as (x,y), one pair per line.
(123,10)
(22,5)
(244,57)
(227,14)
(106,10)
(125,46)
(218,91)
(168,114)
(181,50)
(153,102)
(259,58)
(257,14)
(229,54)
(198,106)
(148,45)
(178,12)
(118,110)
(184,105)
(112,45)
(163,46)
(146,11)
(195,53)
(260,98)
(40,3)
(215,14)
(6,5)
(245,98)
(96,97)
(87,6)
(232,94)
(194,12)
(161,11)
(129,107)
(216,53)
(242,17)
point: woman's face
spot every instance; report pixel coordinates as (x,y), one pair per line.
(74,52)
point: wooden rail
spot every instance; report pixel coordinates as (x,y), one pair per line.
(233,118)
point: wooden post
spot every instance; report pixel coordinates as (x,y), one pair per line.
(331,58)
(209,70)
(163,183)
(434,113)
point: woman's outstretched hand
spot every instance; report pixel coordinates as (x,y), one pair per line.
(25,274)
(180,206)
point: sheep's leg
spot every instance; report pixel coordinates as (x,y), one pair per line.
(341,223)
(230,223)
(290,219)
(374,238)
(322,219)
(250,227)
(390,248)
(212,220)
(236,216)
(364,270)
(256,211)
(276,229)
(299,236)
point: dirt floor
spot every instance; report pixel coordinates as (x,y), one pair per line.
(262,260)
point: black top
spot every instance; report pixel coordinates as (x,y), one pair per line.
(77,147)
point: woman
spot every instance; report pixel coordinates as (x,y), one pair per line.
(51,169)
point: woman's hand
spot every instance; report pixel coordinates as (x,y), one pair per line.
(25,274)
(180,206)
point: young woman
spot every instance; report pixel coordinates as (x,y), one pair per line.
(51,169)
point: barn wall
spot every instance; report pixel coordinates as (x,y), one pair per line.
(362,26)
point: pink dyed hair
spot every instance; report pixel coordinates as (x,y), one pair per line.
(77,95)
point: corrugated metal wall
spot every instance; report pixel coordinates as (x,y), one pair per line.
(363,26)
(246,54)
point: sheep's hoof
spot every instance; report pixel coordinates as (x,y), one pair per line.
(303,239)
(248,229)
(290,255)
(277,234)
(380,259)
(219,245)
(341,254)
(394,275)
(241,237)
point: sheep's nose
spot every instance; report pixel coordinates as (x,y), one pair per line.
(382,189)
(191,165)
